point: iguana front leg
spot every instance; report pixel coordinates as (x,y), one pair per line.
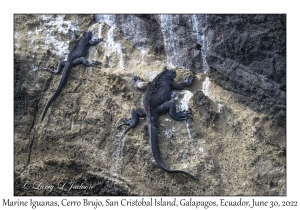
(181,85)
(84,61)
(95,41)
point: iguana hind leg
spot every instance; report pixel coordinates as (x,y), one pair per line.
(59,67)
(85,62)
(170,107)
(134,119)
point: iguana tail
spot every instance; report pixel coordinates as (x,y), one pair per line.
(62,83)
(153,132)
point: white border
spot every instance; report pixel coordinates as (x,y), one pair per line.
(8,8)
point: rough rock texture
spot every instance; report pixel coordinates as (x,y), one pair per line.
(235,143)
(247,57)
(178,37)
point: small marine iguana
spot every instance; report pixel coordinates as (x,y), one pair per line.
(156,102)
(75,57)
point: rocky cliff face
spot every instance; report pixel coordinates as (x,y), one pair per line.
(235,143)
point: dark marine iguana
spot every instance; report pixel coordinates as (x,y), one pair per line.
(156,102)
(75,57)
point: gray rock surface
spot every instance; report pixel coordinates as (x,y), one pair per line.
(247,57)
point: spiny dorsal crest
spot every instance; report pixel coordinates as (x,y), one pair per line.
(153,85)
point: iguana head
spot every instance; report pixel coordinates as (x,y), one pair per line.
(88,34)
(170,73)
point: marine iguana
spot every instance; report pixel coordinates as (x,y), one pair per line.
(75,57)
(156,102)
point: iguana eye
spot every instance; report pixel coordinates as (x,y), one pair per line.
(173,73)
